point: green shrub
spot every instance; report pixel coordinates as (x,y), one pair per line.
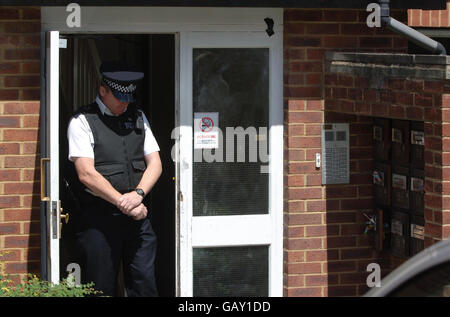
(34,287)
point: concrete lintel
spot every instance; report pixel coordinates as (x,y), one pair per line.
(406,66)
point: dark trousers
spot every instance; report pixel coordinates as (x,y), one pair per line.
(104,240)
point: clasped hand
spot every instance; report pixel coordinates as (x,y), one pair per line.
(131,205)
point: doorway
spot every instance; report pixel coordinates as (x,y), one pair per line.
(80,58)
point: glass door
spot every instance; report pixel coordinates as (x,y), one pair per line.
(231,154)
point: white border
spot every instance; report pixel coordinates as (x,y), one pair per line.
(241,230)
(52,67)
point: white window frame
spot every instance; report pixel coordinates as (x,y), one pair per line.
(184,22)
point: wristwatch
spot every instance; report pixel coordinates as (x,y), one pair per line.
(140,192)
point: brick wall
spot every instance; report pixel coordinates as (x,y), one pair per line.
(408,99)
(429,18)
(325,249)
(19,145)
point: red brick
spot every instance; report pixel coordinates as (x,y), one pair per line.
(341,192)
(22,54)
(21,108)
(20,161)
(31,67)
(9,94)
(313,180)
(22,27)
(304,292)
(305,219)
(31,14)
(303,168)
(304,142)
(10,255)
(9,68)
(27,267)
(321,255)
(316,231)
(33,227)
(294,80)
(31,121)
(315,53)
(9,175)
(308,67)
(341,217)
(340,242)
(340,15)
(9,148)
(21,214)
(322,28)
(305,117)
(303,41)
(23,241)
(313,79)
(302,15)
(9,14)
(296,181)
(434,86)
(295,281)
(22,81)
(304,268)
(9,122)
(334,291)
(305,193)
(304,244)
(20,188)
(295,232)
(295,206)
(9,228)
(375,42)
(295,256)
(296,155)
(341,266)
(294,131)
(356,29)
(9,201)
(31,94)
(20,135)
(414,113)
(316,280)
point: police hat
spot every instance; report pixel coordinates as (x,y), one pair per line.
(121,78)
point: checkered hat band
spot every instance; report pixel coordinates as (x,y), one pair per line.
(120,88)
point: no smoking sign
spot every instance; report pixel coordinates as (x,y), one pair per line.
(206,135)
(206,124)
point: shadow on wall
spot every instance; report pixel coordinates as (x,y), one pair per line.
(349,248)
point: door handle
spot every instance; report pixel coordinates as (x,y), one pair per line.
(61,217)
(43,183)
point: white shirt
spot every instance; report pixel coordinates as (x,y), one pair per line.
(81,139)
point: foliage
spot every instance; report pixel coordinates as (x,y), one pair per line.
(34,287)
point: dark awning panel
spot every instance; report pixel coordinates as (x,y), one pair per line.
(357,4)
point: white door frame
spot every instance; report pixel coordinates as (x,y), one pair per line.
(183,22)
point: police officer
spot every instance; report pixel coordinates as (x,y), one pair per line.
(117,161)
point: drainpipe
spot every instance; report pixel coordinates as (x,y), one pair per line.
(412,35)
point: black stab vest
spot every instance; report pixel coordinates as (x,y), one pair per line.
(118,146)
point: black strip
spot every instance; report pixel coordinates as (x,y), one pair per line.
(43,151)
(356,4)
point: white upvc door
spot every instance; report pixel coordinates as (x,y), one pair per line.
(231,211)
(50,164)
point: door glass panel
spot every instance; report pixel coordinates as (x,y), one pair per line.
(233,82)
(231,271)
